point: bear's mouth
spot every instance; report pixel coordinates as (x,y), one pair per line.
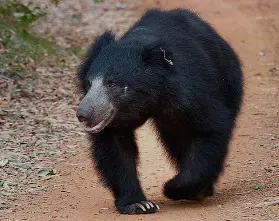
(96,128)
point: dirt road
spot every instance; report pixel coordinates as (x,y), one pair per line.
(251,175)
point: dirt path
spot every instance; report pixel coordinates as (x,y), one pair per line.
(251,175)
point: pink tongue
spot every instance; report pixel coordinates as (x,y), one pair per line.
(97,128)
(100,126)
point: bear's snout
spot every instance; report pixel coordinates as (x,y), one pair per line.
(95,108)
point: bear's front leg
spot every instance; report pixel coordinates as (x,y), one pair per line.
(115,154)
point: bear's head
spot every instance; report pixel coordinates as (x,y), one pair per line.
(123,82)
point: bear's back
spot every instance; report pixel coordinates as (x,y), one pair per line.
(171,25)
(180,29)
(190,36)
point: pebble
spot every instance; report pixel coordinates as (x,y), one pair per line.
(105,208)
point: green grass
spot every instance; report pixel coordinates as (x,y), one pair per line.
(20,47)
(22,50)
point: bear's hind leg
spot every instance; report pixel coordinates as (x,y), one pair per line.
(199,160)
(115,155)
(199,169)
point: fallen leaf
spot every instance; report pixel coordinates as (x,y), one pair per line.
(25,166)
(43,173)
(3,162)
(4,136)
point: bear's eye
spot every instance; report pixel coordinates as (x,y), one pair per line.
(111,83)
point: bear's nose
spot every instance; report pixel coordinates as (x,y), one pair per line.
(82,119)
(82,114)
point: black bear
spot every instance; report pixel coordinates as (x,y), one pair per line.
(173,68)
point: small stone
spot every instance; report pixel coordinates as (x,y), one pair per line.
(261,53)
(105,208)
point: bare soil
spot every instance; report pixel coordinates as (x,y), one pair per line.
(251,175)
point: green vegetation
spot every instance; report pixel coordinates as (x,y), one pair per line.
(257,186)
(22,50)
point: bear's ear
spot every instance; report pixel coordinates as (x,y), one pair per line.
(92,52)
(157,54)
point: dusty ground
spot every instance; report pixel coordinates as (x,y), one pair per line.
(74,193)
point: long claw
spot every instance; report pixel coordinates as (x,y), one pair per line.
(140,206)
(151,204)
(157,206)
(143,207)
(147,205)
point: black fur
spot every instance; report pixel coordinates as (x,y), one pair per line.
(181,74)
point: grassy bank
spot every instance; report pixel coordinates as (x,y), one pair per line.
(23,52)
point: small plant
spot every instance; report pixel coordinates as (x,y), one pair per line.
(257,186)
(22,51)
(20,48)
(20,15)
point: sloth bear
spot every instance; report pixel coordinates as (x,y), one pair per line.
(173,68)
